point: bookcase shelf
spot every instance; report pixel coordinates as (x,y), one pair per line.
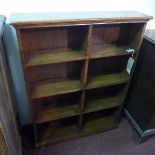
(51,89)
(57,107)
(54,113)
(61,134)
(101,104)
(57,131)
(109,50)
(97,122)
(108,80)
(49,58)
(75,71)
(103,98)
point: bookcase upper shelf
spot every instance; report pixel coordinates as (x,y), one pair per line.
(51,89)
(59,57)
(108,50)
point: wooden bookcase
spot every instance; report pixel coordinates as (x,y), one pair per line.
(75,69)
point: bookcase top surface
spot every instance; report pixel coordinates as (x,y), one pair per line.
(57,18)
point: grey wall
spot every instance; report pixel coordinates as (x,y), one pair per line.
(12,52)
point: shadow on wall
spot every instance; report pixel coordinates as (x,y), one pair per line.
(12,53)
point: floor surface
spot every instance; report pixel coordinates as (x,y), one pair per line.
(116,142)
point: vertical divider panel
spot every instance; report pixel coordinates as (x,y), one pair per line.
(87,48)
(80,122)
(122,95)
(27,83)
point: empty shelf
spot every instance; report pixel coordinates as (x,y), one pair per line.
(49,58)
(57,134)
(50,112)
(101,104)
(108,50)
(51,89)
(108,80)
(99,124)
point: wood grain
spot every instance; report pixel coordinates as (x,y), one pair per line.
(101,104)
(56,111)
(108,80)
(49,58)
(51,89)
(108,50)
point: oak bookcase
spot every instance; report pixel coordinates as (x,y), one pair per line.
(75,69)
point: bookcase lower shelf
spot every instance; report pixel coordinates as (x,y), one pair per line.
(53,135)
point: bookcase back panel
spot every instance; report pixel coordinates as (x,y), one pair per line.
(56,130)
(58,123)
(107,65)
(55,72)
(105,35)
(99,121)
(77,37)
(57,107)
(97,115)
(59,99)
(99,93)
(53,40)
(118,34)
(39,39)
(110,34)
(99,99)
